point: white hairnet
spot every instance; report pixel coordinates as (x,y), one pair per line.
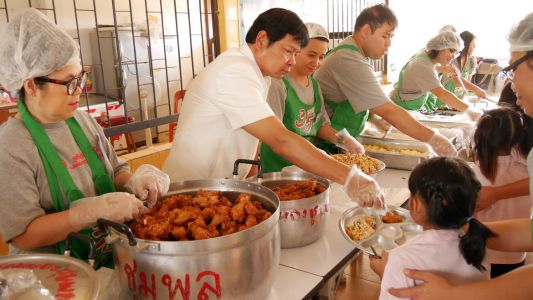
(445,40)
(447,28)
(33,46)
(521,37)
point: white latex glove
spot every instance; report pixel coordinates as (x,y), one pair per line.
(117,207)
(363,189)
(441,145)
(348,142)
(473,113)
(148,183)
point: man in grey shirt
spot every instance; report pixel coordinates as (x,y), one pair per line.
(351,89)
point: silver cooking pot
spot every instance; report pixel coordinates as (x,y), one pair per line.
(241,265)
(301,221)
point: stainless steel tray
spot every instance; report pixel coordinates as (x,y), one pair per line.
(386,235)
(396,160)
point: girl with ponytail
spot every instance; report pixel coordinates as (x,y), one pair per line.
(443,197)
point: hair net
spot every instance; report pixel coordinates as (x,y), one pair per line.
(447,28)
(445,40)
(33,46)
(521,37)
(317,31)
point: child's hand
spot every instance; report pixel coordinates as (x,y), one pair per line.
(378,264)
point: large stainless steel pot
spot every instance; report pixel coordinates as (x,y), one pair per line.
(301,221)
(241,265)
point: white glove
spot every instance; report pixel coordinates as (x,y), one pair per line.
(117,207)
(348,142)
(362,188)
(473,113)
(441,145)
(148,183)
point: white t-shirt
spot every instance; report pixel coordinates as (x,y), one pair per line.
(346,74)
(227,95)
(432,250)
(511,168)
(420,77)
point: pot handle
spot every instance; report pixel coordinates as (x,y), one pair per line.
(122,228)
(83,238)
(251,162)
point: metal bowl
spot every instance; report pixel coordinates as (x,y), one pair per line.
(301,221)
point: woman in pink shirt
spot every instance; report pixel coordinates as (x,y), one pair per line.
(443,198)
(501,147)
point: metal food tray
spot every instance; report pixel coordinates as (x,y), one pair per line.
(387,235)
(396,160)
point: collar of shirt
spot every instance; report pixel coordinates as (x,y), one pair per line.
(246,51)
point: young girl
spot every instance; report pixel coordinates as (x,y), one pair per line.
(501,147)
(443,197)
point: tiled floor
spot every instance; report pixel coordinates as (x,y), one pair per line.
(363,284)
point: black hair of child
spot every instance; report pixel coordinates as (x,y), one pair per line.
(449,188)
(499,132)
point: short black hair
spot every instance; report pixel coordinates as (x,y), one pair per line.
(449,188)
(376,16)
(433,53)
(278,22)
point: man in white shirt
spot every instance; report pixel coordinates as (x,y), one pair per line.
(225,113)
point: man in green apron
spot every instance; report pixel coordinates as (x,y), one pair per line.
(418,78)
(352,90)
(59,172)
(297,101)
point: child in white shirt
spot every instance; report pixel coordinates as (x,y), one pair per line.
(501,147)
(444,191)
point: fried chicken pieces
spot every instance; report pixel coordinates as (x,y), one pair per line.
(206,215)
(299,190)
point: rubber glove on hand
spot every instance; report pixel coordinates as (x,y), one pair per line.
(348,142)
(148,183)
(117,207)
(473,113)
(441,145)
(362,188)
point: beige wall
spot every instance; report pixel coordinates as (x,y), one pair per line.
(229,24)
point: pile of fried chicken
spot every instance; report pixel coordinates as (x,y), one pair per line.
(299,190)
(207,214)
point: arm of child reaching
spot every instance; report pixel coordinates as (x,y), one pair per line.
(491,194)
(513,235)
(378,264)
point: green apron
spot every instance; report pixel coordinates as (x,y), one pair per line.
(450,85)
(414,104)
(299,118)
(61,183)
(343,114)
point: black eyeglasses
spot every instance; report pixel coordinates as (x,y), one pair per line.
(509,70)
(72,85)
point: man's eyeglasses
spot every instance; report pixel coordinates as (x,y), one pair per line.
(72,85)
(509,70)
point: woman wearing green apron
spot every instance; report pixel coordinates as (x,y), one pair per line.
(296,99)
(418,78)
(59,173)
(464,66)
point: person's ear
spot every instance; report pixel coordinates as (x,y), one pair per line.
(416,205)
(261,40)
(366,30)
(30,87)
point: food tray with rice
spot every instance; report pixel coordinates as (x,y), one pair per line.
(382,229)
(369,165)
(396,154)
